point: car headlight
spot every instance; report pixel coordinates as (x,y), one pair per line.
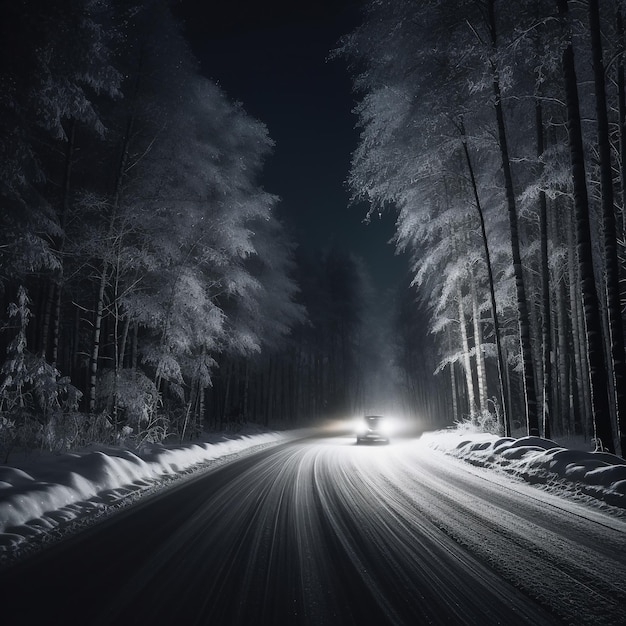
(359,426)
(386,428)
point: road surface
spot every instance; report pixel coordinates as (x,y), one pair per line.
(321,531)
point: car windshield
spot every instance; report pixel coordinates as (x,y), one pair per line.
(373,420)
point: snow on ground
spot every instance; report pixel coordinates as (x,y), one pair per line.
(40,495)
(543,462)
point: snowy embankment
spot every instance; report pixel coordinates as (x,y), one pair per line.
(540,461)
(44,494)
(43,497)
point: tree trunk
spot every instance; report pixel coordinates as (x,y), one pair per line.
(532,419)
(504,397)
(564,385)
(469,379)
(453,385)
(75,348)
(600,405)
(116,337)
(95,348)
(581,363)
(546,331)
(481,376)
(611,267)
(47,315)
(561,410)
(122,343)
(621,100)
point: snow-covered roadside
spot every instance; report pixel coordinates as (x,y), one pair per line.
(44,494)
(540,461)
(42,498)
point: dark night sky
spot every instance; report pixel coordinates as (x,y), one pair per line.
(272,57)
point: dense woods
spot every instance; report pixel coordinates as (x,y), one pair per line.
(148,288)
(137,246)
(496,132)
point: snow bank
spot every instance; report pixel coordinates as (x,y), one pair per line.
(47,492)
(41,497)
(539,461)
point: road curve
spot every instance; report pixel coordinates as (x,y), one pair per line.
(321,531)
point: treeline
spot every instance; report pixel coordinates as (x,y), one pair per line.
(497,132)
(147,289)
(334,365)
(137,246)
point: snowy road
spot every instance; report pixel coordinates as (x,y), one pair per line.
(321,531)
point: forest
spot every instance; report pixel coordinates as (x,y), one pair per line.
(496,131)
(149,289)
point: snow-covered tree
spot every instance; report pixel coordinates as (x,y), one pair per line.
(437,77)
(133,183)
(55,59)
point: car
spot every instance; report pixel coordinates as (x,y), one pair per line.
(374,428)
